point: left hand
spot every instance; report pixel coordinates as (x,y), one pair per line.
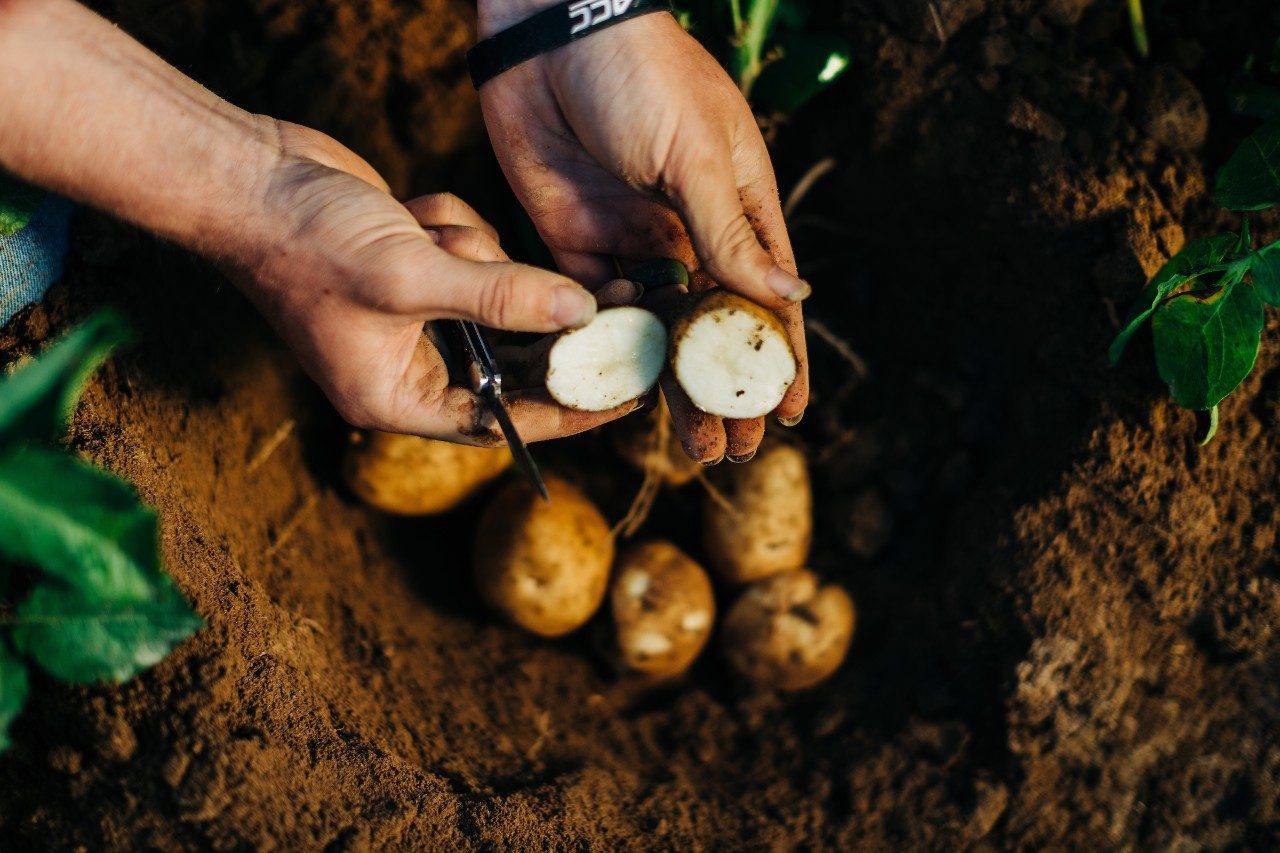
(634,144)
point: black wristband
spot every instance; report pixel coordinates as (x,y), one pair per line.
(551,28)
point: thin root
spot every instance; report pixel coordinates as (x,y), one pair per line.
(271,445)
(292,525)
(816,172)
(642,503)
(718,496)
(842,348)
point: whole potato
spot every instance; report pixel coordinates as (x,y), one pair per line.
(543,565)
(788,632)
(409,475)
(769,525)
(663,609)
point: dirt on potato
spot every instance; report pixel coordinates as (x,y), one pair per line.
(1067,612)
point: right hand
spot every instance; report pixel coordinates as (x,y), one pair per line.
(348,276)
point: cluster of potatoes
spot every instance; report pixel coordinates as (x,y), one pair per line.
(549,567)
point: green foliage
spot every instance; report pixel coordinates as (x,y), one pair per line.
(1192,262)
(98,605)
(36,401)
(1206,342)
(1206,304)
(85,637)
(765,48)
(1251,178)
(18,203)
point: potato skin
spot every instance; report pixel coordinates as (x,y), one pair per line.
(788,632)
(663,609)
(771,526)
(409,475)
(543,565)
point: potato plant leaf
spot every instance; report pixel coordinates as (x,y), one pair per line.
(13,690)
(84,637)
(1264,265)
(1206,344)
(37,399)
(18,203)
(1251,178)
(1194,260)
(78,523)
(805,64)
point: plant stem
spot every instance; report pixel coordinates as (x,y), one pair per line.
(1139,25)
(1206,426)
(749,38)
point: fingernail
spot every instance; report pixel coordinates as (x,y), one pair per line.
(746,457)
(433,233)
(792,421)
(711,463)
(572,306)
(786,285)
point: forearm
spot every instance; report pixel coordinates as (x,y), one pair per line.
(496,15)
(91,114)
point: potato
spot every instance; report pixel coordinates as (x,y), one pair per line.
(732,357)
(615,358)
(408,475)
(769,525)
(650,443)
(788,632)
(544,565)
(663,609)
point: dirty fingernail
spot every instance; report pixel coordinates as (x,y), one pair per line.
(746,457)
(572,306)
(792,421)
(711,463)
(786,285)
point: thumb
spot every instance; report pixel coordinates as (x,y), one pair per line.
(505,295)
(705,191)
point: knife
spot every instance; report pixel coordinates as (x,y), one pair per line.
(486,381)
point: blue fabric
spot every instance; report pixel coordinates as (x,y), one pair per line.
(33,259)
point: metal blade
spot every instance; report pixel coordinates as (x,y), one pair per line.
(519,452)
(488,385)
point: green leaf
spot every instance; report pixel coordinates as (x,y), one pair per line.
(37,399)
(1251,178)
(1264,265)
(806,64)
(18,203)
(1194,260)
(78,523)
(13,690)
(1207,344)
(84,639)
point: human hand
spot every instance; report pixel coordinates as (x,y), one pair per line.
(634,144)
(348,276)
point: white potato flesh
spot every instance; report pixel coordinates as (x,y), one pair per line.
(733,361)
(615,358)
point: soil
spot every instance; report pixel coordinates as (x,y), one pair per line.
(1067,611)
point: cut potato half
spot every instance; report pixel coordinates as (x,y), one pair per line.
(615,358)
(731,356)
